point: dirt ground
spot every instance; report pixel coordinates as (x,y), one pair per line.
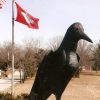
(87,87)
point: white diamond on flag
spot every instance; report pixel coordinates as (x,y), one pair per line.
(27,18)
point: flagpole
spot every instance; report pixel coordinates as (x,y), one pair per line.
(12,80)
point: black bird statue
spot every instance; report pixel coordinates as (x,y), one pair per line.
(58,67)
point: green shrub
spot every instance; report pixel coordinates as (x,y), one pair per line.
(1,95)
(22,96)
(8,96)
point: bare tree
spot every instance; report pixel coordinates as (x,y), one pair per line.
(54,43)
(96,58)
(33,43)
(31,49)
(27,56)
(5,54)
(85,52)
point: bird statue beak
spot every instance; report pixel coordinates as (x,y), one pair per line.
(85,37)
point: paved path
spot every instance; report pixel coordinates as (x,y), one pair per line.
(6,83)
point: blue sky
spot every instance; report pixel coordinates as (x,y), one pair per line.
(55,17)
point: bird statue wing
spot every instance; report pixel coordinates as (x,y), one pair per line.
(47,69)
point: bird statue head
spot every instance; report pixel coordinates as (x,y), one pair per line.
(76,32)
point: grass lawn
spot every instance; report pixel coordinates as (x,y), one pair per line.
(87,87)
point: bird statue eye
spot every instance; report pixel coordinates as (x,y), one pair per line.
(77,29)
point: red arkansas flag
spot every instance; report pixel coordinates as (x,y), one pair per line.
(25,18)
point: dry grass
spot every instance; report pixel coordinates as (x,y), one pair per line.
(87,87)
